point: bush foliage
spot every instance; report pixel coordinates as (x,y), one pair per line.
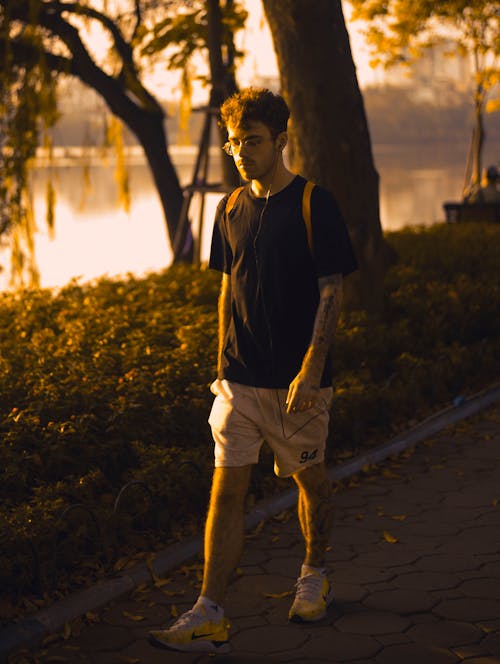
(106,384)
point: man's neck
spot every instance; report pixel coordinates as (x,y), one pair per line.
(281,179)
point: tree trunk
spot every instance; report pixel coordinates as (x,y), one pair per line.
(329,137)
(222,79)
(478,142)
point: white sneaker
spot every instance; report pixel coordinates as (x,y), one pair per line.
(194,632)
(313,596)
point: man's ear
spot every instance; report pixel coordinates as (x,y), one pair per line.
(282,140)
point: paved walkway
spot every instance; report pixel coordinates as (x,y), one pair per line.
(415,560)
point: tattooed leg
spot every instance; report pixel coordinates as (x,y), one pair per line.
(315,509)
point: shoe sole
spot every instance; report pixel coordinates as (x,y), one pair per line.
(221,647)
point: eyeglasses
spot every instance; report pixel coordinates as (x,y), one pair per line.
(234,145)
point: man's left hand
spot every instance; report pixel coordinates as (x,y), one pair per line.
(303,394)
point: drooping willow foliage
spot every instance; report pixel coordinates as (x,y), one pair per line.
(27,109)
(42,40)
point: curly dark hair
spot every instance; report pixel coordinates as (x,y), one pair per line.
(255,105)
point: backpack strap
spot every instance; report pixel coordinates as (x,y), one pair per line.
(306,213)
(233,197)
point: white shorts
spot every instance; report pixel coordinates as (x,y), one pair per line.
(243,417)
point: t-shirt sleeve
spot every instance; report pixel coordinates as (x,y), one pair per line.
(333,251)
(221,256)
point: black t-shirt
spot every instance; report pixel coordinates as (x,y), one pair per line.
(274,279)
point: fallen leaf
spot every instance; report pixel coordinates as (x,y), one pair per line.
(132,616)
(278,595)
(121,563)
(174,611)
(390,538)
(390,474)
(399,517)
(92,617)
(173,593)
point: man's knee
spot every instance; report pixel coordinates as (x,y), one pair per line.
(312,477)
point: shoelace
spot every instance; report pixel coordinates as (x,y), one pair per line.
(309,587)
(191,618)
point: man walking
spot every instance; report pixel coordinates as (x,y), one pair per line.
(279,303)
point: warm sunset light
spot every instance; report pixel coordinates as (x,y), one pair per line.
(249,371)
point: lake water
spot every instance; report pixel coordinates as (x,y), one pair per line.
(94,236)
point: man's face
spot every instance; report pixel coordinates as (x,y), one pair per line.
(254,150)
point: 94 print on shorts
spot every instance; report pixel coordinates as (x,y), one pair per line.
(308,456)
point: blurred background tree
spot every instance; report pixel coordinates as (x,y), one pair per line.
(400,32)
(43,40)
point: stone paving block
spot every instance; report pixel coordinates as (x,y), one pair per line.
(254,556)
(415,654)
(250,570)
(393,639)
(439,562)
(463,517)
(390,555)
(147,654)
(239,623)
(350,499)
(434,527)
(348,592)
(492,644)
(356,573)
(372,622)
(374,489)
(269,639)
(468,609)
(445,633)
(427,580)
(490,625)
(470,499)
(285,566)
(340,553)
(488,588)
(356,536)
(469,652)
(337,646)
(103,637)
(247,595)
(469,546)
(490,517)
(449,593)
(395,504)
(401,601)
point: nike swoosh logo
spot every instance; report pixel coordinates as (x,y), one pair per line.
(200,636)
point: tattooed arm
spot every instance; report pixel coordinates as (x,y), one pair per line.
(303,390)
(224,309)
